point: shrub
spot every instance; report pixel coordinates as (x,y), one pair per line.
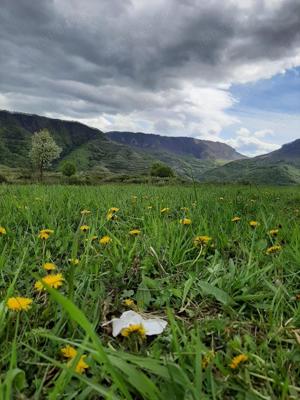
(3,179)
(161,170)
(68,169)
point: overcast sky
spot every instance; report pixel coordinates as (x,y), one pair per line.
(223,70)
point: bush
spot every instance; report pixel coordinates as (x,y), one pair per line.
(3,179)
(68,169)
(161,170)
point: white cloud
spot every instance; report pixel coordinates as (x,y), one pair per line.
(251,143)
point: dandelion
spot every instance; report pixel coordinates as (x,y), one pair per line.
(134,232)
(274,249)
(235,362)
(202,240)
(128,303)
(2,231)
(49,266)
(81,365)
(54,281)
(85,212)
(19,303)
(185,221)
(84,228)
(45,233)
(113,210)
(105,240)
(68,352)
(273,232)
(74,261)
(254,224)
(164,210)
(235,219)
(134,329)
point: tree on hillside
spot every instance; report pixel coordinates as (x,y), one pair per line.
(161,170)
(43,150)
(68,168)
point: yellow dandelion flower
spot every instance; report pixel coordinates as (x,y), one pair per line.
(128,303)
(85,212)
(68,352)
(274,249)
(54,281)
(202,240)
(2,231)
(235,219)
(81,365)
(45,233)
(164,210)
(134,232)
(273,232)
(49,266)
(105,240)
(84,228)
(235,362)
(254,224)
(113,210)
(19,303)
(134,329)
(111,216)
(185,221)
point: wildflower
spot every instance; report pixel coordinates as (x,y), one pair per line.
(105,240)
(152,326)
(53,281)
(131,329)
(81,365)
(49,266)
(85,212)
(254,224)
(84,228)
(274,249)
(2,231)
(237,360)
(164,210)
(45,233)
(128,303)
(74,261)
(202,240)
(113,210)
(235,219)
(185,209)
(19,303)
(185,221)
(111,216)
(134,232)
(69,352)
(273,232)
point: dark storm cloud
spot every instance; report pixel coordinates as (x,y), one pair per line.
(112,56)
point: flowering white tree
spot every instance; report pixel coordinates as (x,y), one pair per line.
(43,150)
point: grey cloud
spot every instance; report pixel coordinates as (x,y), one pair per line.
(91,57)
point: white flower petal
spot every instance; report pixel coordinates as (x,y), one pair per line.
(127,318)
(154,326)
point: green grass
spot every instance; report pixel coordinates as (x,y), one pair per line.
(220,301)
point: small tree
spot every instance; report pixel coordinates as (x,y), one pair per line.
(68,168)
(43,150)
(161,170)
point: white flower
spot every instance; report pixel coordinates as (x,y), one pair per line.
(152,326)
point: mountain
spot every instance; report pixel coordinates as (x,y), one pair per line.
(90,148)
(281,167)
(183,146)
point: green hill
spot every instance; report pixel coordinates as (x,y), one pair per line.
(281,167)
(90,148)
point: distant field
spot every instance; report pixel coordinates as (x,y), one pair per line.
(231,297)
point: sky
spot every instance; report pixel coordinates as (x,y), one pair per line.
(221,70)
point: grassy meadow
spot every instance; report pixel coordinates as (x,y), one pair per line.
(229,291)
